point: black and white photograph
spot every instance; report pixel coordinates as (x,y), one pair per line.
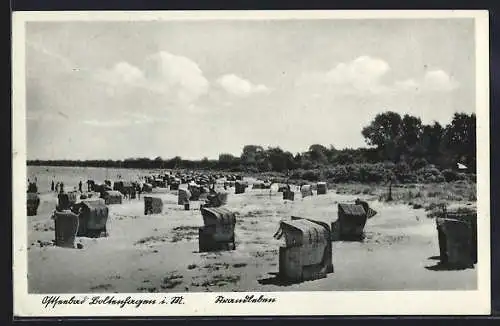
(253,157)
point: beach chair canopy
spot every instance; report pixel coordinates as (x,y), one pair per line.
(94,199)
(218,216)
(352,210)
(457,235)
(112,193)
(299,232)
(96,212)
(65,214)
(306,190)
(96,205)
(467,215)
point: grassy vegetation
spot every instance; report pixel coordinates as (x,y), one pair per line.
(431,197)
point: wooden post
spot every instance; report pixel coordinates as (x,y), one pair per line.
(389,197)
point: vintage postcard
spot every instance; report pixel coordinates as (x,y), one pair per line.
(251,163)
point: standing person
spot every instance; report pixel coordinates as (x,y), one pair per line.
(52,186)
(61,187)
(80,186)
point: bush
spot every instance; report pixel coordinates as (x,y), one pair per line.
(404,174)
(419,163)
(296,175)
(430,174)
(381,172)
(401,168)
(373,173)
(451,175)
(311,175)
(338,174)
(252,169)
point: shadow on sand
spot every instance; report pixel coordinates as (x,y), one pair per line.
(276,280)
(434,258)
(440,266)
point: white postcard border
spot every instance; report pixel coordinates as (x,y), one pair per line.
(287,303)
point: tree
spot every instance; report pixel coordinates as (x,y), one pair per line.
(226,158)
(383,129)
(385,132)
(174,162)
(460,138)
(252,154)
(297,160)
(318,153)
(227,161)
(158,162)
(332,151)
(411,131)
(205,163)
(431,141)
(280,160)
(343,158)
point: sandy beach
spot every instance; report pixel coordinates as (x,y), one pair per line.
(159,253)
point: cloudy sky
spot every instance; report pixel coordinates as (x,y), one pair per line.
(113,90)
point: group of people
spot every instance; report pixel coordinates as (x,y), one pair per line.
(58,187)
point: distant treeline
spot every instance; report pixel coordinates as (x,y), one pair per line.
(404,141)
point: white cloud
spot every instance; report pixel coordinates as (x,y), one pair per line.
(166,72)
(123,72)
(438,80)
(365,76)
(432,81)
(239,86)
(175,77)
(359,76)
(362,73)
